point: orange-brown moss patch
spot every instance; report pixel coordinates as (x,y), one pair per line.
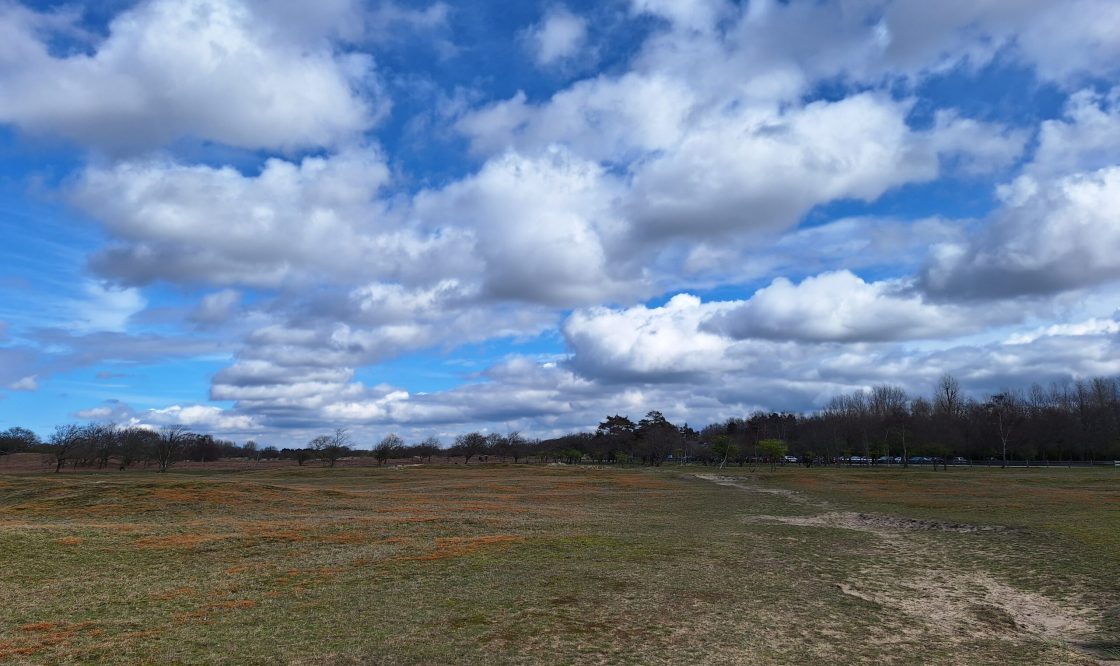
(40,626)
(236,603)
(42,635)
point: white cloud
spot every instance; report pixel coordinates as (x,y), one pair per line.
(291,222)
(1048,237)
(721,168)
(605,119)
(758,169)
(1086,137)
(840,306)
(559,36)
(95,413)
(544,228)
(201,69)
(1090,327)
(665,342)
(1072,40)
(28,383)
(197,416)
(979,147)
(698,15)
(104,308)
(885,244)
(674,348)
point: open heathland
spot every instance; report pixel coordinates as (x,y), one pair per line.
(561,564)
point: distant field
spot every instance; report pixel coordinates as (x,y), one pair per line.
(553,564)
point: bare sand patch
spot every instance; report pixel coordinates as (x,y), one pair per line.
(877,523)
(938,600)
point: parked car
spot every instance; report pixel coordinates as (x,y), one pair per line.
(791,459)
(958,460)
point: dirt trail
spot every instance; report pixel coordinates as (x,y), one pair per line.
(739,482)
(919,576)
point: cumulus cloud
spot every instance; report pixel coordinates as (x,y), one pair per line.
(606,119)
(214,225)
(674,346)
(840,306)
(764,170)
(197,416)
(1086,137)
(203,418)
(666,342)
(1048,237)
(544,228)
(1055,228)
(291,374)
(559,36)
(698,167)
(214,71)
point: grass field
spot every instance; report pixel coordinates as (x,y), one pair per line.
(535,564)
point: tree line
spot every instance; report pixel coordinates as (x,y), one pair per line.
(1073,421)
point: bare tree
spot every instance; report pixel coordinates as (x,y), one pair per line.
(63,442)
(1006,408)
(14,440)
(888,405)
(428,448)
(389,446)
(103,441)
(949,412)
(136,443)
(332,447)
(513,445)
(469,445)
(170,444)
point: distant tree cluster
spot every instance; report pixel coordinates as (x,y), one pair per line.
(1077,421)
(98,445)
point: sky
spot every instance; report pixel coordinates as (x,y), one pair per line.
(265,219)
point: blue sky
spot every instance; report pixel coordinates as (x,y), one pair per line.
(269,219)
